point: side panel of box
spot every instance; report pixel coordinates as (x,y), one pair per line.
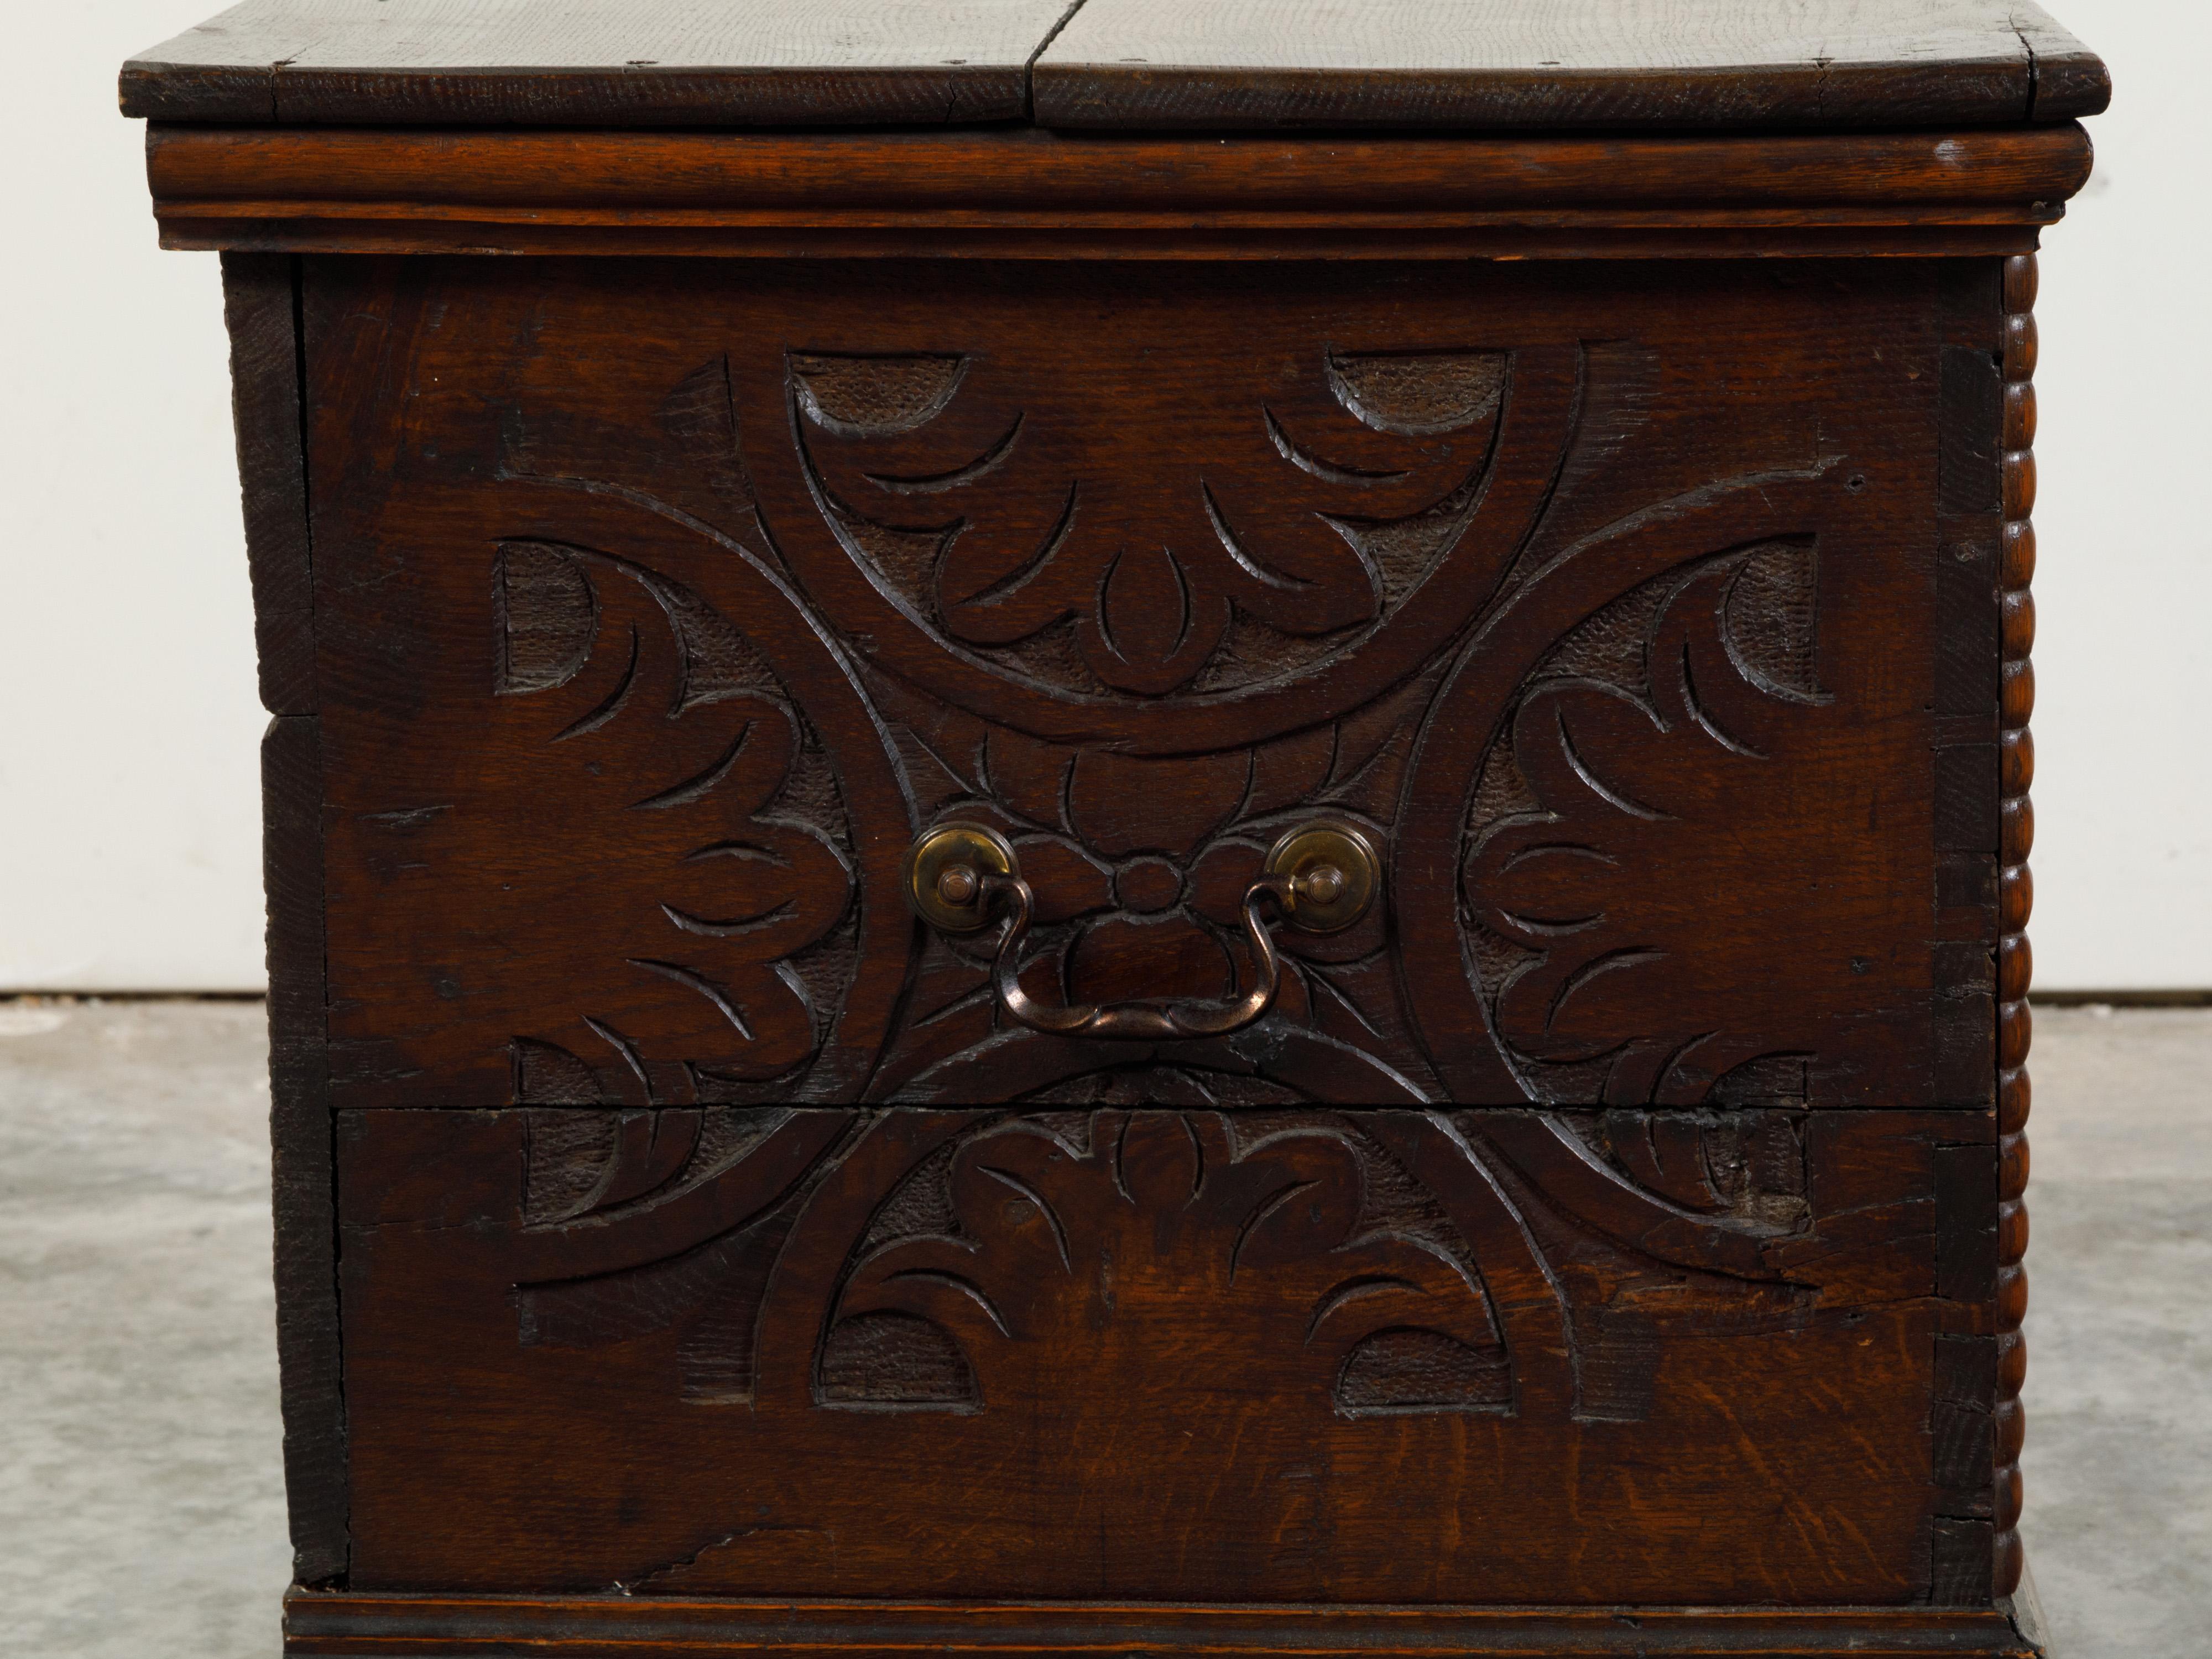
(260,297)
(260,302)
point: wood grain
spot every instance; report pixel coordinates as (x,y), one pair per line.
(1109,1355)
(666,1627)
(1260,63)
(1008,171)
(309,1358)
(2014,962)
(1696,237)
(260,307)
(1054,195)
(824,515)
(1970,531)
(766,62)
(646,1252)
(1121,64)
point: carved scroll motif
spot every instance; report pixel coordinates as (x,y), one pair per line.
(680,738)
(1643,799)
(1049,591)
(1126,550)
(1123,1266)
(1061,1249)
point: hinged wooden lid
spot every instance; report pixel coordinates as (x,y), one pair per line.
(1503,64)
(1152,66)
(598,62)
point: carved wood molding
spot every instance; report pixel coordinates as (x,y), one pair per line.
(1038,194)
(663,1627)
(2016,896)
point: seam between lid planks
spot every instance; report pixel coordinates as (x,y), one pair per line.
(1121,63)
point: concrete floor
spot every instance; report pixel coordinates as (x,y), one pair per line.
(142,1507)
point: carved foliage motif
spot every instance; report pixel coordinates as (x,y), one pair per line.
(840,1353)
(1590,795)
(692,753)
(1112,549)
(1065,1257)
(1378,1264)
(1140,620)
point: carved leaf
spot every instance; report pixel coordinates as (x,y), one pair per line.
(665,736)
(1649,890)
(1419,394)
(999,501)
(1066,1259)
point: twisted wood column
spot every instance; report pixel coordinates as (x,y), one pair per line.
(2016,893)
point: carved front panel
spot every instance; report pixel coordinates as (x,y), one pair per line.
(661,607)
(1502,1356)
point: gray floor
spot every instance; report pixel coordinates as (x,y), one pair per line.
(141,1508)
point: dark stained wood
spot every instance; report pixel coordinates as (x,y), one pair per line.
(260,305)
(1053,194)
(667,1628)
(770,62)
(1056,239)
(1962,1549)
(1259,63)
(653,1271)
(1663,599)
(1155,1355)
(1960,1423)
(307,1343)
(1966,1240)
(2016,348)
(1966,796)
(1973,421)
(1967,553)
(1121,64)
(1992,173)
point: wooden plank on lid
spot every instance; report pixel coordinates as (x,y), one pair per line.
(1509,64)
(598,62)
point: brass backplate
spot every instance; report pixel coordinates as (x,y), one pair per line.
(1305,858)
(947,851)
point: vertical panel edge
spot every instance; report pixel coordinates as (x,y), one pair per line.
(259,309)
(307,1341)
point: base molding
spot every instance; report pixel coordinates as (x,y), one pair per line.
(344,1625)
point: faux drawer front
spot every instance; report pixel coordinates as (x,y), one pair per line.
(1485,1356)
(660,606)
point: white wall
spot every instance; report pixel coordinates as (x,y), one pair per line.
(129,826)
(129,833)
(2124,585)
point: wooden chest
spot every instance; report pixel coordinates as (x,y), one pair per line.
(1129,829)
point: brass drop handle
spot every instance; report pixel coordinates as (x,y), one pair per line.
(1321,876)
